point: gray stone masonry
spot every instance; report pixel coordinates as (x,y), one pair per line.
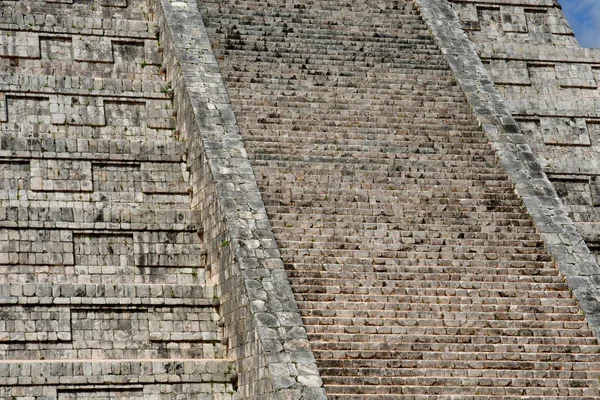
(514,142)
(263,328)
(103,290)
(418,272)
(287,200)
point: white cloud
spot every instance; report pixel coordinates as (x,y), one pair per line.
(584,17)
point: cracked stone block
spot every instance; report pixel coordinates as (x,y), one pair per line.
(14,178)
(152,54)
(164,249)
(513,19)
(113,3)
(565,131)
(575,75)
(467,13)
(595,190)
(36,247)
(105,393)
(509,72)
(160,114)
(29,115)
(61,176)
(110,250)
(118,183)
(3,111)
(77,110)
(558,23)
(125,114)
(164,178)
(92,49)
(19,44)
(34,324)
(184,325)
(57,49)
(490,20)
(537,21)
(129,52)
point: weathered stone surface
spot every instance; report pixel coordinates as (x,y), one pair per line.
(103,290)
(238,199)
(416,267)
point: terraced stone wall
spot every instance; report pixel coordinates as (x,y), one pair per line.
(103,291)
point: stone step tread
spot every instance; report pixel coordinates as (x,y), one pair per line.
(443,296)
(423,206)
(411,328)
(285,224)
(360,144)
(470,391)
(243,90)
(383,280)
(402,190)
(384,339)
(515,381)
(468,316)
(523,268)
(332,255)
(328,45)
(437,199)
(431,273)
(345,284)
(350,127)
(408,236)
(432,372)
(524,350)
(441,289)
(444,249)
(407,218)
(523,358)
(454,320)
(470,396)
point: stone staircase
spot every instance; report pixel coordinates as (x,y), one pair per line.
(102,284)
(417,270)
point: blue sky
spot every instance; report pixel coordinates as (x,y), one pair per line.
(584,17)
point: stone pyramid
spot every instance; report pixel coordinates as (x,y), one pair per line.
(286,199)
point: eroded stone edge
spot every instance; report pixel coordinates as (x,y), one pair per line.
(573,258)
(244,245)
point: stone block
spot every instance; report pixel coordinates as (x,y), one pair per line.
(509,72)
(565,131)
(34,324)
(92,49)
(575,75)
(61,176)
(18,44)
(513,19)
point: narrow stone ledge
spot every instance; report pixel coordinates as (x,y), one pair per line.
(258,305)
(87,372)
(558,231)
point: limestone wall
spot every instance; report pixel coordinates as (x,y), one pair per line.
(103,291)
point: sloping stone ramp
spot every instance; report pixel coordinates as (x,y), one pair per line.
(417,270)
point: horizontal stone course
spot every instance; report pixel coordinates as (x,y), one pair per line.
(82,372)
(102,263)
